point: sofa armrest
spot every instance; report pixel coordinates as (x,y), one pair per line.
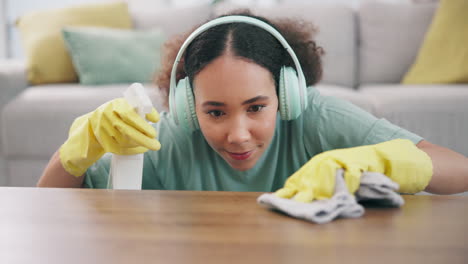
(13,79)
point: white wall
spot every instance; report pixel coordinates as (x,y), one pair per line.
(3,30)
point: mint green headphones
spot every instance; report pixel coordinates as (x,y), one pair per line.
(292,86)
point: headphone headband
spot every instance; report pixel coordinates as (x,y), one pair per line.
(227,20)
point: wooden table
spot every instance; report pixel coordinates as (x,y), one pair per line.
(105,226)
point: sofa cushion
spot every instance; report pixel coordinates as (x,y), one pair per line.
(37,121)
(171,20)
(390,37)
(47,57)
(347,94)
(438,113)
(337,35)
(106,56)
(443,57)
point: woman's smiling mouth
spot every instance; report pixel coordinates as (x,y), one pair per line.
(240,155)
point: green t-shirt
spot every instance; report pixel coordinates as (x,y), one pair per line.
(186,161)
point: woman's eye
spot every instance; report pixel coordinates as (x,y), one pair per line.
(256,108)
(215,113)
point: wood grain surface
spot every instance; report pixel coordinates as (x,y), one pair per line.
(40,225)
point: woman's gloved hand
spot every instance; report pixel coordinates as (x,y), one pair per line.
(113,127)
(399,159)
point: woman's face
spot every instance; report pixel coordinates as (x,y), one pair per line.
(236,106)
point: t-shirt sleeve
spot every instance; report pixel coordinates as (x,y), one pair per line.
(97,175)
(336,123)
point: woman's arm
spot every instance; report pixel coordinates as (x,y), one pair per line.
(120,130)
(450,173)
(55,175)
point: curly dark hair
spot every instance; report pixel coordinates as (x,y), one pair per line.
(245,41)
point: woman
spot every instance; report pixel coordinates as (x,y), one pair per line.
(243,142)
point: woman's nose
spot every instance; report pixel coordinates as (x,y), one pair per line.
(238,132)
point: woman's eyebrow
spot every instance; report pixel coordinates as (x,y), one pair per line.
(213,103)
(248,101)
(256,98)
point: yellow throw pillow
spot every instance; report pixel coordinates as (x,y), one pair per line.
(443,56)
(48,60)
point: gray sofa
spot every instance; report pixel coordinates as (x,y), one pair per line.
(368,50)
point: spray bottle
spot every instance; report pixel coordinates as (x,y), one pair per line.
(126,171)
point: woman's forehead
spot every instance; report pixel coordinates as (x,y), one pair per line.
(232,76)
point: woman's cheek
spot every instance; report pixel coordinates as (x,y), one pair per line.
(210,130)
(267,125)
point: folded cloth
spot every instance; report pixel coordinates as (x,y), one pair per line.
(341,204)
(380,189)
(374,186)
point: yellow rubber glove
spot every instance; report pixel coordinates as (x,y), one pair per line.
(113,127)
(399,159)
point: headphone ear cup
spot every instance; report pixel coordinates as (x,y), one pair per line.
(185,106)
(289,94)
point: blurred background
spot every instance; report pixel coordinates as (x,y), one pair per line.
(10,10)
(405,61)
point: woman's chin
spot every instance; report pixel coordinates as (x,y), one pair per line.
(241,168)
(240,165)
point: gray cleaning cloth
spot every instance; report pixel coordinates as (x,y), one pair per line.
(374,186)
(380,189)
(342,204)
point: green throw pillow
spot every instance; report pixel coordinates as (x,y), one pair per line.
(105,55)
